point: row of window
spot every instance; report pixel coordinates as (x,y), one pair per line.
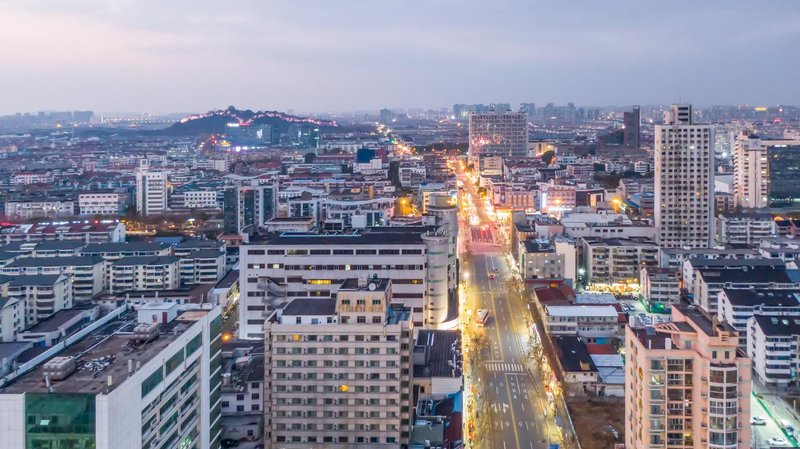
(335,252)
(310,439)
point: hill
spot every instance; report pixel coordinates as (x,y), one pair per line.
(213,122)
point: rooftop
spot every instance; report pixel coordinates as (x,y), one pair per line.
(767,297)
(582,311)
(443,346)
(400,237)
(146,260)
(118,247)
(227,282)
(573,355)
(310,307)
(380,284)
(778,325)
(532,246)
(55,321)
(26,262)
(104,354)
(762,276)
(35,280)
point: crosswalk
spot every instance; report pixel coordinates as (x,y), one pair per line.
(505,367)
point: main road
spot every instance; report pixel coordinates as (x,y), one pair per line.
(513,409)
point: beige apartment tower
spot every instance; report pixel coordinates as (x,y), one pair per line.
(687,385)
(338,371)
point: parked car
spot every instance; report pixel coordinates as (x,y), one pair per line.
(777,441)
(229,442)
(758,421)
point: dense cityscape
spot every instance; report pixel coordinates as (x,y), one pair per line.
(546,252)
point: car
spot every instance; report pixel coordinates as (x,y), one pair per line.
(777,441)
(758,421)
(491,276)
(229,442)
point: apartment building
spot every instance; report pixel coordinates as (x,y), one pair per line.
(418,260)
(764,171)
(339,370)
(151,189)
(113,251)
(684,180)
(356,209)
(710,282)
(737,306)
(596,323)
(130,385)
(772,343)
(102,203)
(28,210)
(12,318)
(144,273)
(745,228)
(87,273)
(41,295)
(687,385)
(660,288)
(202,267)
(539,262)
(616,260)
(88,233)
(200,199)
(675,257)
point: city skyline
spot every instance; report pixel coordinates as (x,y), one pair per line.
(120,56)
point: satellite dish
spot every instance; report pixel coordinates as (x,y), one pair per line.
(372,286)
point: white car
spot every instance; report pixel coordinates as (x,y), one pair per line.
(758,421)
(777,441)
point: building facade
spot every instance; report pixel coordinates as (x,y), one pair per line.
(684,180)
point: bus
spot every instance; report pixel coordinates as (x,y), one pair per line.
(482,317)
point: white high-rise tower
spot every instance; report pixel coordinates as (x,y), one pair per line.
(684,180)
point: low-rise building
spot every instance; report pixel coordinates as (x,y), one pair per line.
(102,203)
(745,228)
(660,288)
(28,210)
(596,323)
(616,260)
(710,282)
(144,273)
(42,295)
(772,343)
(87,273)
(737,306)
(202,267)
(540,263)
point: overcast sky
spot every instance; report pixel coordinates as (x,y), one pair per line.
(323,55)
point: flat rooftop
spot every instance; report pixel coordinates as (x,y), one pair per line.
(352,284)
(55,321)
(109,345)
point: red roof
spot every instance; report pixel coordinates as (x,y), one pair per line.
(598,349)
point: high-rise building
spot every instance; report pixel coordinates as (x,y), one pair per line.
(684,180)
(631,120)
(249,204)
(151,189)
(687,385)
(338,370)
(121,383)
(766,172)
(503,134)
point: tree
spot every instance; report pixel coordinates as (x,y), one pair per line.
(394,174)
(309,158)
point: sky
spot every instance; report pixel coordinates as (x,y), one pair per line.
(328,56)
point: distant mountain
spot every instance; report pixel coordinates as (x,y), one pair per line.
(213,122)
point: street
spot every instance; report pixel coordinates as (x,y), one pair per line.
(512,408)
(519,414)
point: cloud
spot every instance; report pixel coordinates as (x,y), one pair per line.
(310,55)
